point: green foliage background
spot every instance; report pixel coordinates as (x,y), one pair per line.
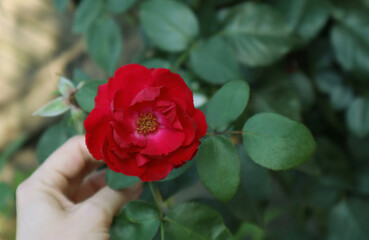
(287,88)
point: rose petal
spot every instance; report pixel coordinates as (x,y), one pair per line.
(201,124)
(183,154)
(156,170)
(96,125)
(107,160)
(125,139)
(147,94)
(163,142)
(102,97)
(127,166)
(175,87)
(131,79)
(168,110)
(141,160)
(188,129)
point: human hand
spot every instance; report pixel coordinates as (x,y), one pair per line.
(58,201)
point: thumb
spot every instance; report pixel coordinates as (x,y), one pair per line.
(108,202)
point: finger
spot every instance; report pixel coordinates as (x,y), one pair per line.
(69,163)
(90,185)
(109,202)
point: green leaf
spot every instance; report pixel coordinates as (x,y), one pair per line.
(306,17)
(119,181)
(119,6)
(350,39)
(255,179)
(138,220)
(178,171)
(303,87)
(174,184)
(65,87)
(259,34)
(61,5)
(227,104)
(104,43)
(218,165)
(341,97)
(195,221)
(348,220)
(53,108)
(169,24)
(80,76)
(214,61)
(276,142)
(278,96)
(87,12)
(156,63)
(327,80)
(243,207)
(249,231)
(357,117)
(50,140)
(86,95)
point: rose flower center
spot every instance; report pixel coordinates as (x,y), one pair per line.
(147,123)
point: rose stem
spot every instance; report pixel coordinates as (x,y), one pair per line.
(159,207)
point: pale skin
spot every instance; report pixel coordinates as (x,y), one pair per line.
(66,199)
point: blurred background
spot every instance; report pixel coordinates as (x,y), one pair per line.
(36,47)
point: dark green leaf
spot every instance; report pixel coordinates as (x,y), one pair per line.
(306,17)
(119,6)
(244,208)
(213,60)
(255,179)
(259,34)
(276,142)
(357,117)
(50,140)
(119,181)
(87,12)
(80,76)
(86,95)
(328,80)
(303,88)
(169,24)
(348,220)
(174,183)
(341,97)
(138,220)
(156,63)
(178,171)
(218,165)
(104,43)
(195,221)
(227,104)
(53,108)
(249,231)
(350,39)
(279,97)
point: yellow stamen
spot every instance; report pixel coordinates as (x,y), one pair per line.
(147,123)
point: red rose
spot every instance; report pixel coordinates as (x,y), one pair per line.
(144,123)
